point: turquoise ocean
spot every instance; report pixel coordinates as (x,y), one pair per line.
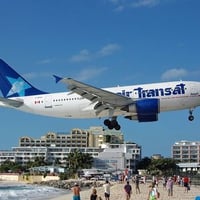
(19,191)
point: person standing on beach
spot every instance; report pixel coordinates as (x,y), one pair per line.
(106,187)
(153,192)
(76,192)
(169,186)
(128,190)
(137,183)
(186,183)
(94,195)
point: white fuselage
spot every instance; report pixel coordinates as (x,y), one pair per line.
(172,95)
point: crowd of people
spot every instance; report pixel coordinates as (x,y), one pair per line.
(181,181)
(153,193)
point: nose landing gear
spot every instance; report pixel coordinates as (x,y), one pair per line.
(191,117)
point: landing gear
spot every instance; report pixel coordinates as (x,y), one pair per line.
(112,124)
(191,117)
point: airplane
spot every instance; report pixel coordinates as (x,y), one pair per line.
(135,102)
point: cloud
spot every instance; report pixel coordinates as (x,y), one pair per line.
(89,73)
(85,55)
(174,74)
(119,8)
(115,1)
(108,50)
(120,5)
(145,3)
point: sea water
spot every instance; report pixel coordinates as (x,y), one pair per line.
(18,191)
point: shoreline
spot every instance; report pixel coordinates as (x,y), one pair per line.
(117,193)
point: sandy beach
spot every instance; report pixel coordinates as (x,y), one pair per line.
(117,193)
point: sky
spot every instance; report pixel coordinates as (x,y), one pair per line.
(103,43)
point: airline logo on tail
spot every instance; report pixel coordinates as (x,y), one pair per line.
(14,85)
(18,86)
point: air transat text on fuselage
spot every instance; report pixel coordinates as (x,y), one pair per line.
(146,93)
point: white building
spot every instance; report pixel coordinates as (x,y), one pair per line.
(107,147)
(186,151)
(118,157)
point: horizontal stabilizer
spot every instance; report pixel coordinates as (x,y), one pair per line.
(11,102)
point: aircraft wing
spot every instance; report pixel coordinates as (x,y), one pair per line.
(94,94)
(11,102)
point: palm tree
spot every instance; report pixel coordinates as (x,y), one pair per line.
(73,159)
(78,160)
(39,161)
(87,161)
(9,166)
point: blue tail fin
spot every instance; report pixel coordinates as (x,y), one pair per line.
(14,85)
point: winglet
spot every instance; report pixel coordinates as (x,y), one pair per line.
(57,78)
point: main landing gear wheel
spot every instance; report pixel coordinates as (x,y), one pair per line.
(191,117)
(112,124)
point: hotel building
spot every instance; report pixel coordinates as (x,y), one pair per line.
(93,137)
(106,146)
(187,153)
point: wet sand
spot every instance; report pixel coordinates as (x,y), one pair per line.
(117,193)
